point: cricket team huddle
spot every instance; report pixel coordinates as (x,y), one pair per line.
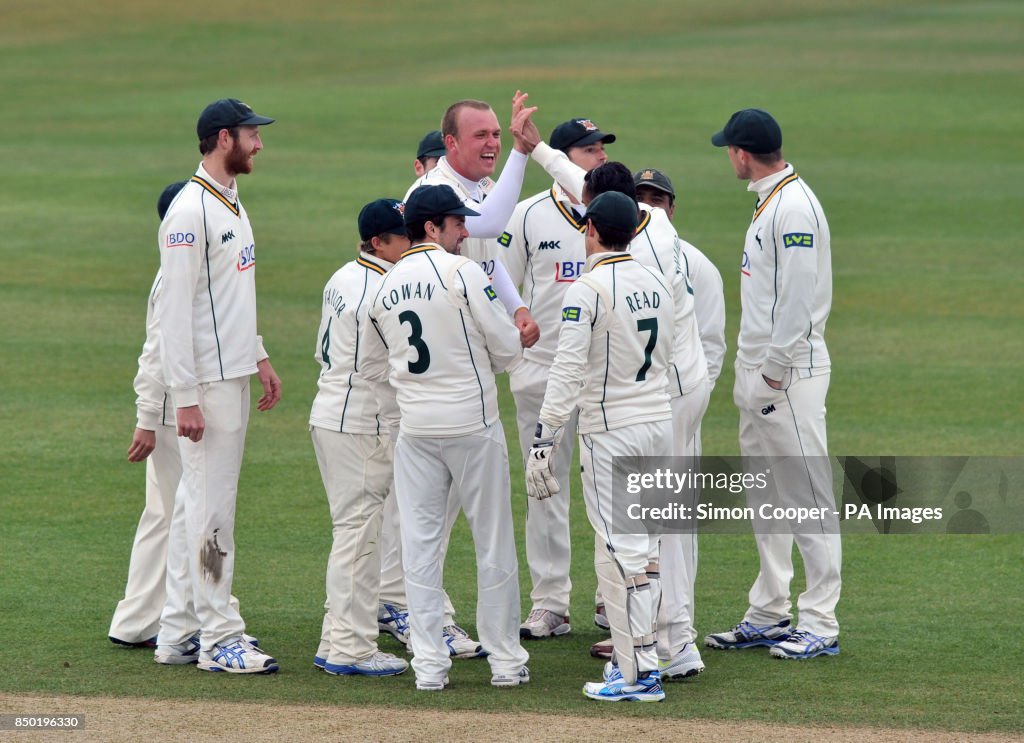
(612,331)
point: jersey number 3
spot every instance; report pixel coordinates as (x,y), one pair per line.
(650,325)
(422,362)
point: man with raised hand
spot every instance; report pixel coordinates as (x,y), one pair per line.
(543,249)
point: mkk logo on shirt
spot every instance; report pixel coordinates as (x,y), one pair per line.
(549,245)
(247,257)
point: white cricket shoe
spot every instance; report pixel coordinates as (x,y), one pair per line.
(378,664)
(511,679)
(803,645)
(600,617)
(239,656)
(460,644)
(180,654)
(543,623)
(432,685)
(686,663)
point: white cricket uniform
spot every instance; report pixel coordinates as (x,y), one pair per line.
(658,246)
(152,583)
(137,616)
(438,334)
(543,249)
(615,348)
(785,298)
(354,452)
(207,318)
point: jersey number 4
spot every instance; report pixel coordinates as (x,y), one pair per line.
(649,325)
(422,362)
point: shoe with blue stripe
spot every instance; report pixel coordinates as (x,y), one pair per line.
(239,656)
(180,654)
(802,645)
(747,635)
(378,664)
(646,689)
(395,621)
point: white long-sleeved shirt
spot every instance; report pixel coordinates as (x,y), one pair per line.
(438,334)
(614,347)
(708,305)
(785,279)
(207,306)
(544,250)
(658,247)
(345,401)
(152,403)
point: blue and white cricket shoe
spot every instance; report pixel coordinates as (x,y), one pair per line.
(646,689)
(747,635)
(378,664)
(180,654)
(239,656)
(395,621)
(802,645)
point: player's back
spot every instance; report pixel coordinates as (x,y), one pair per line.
(632,317)
(445,335)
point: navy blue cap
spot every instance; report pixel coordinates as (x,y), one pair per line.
(614,209)
(431,201)
(164,202)
(432,145)
(381,216)
(225,114)
(750,129)
(578,133)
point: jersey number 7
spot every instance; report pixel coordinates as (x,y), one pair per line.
(650,325)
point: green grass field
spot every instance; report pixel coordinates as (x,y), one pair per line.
(903,116)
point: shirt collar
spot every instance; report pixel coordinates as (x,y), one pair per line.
(475,190)
(375,260)
(231,194)
(764,186)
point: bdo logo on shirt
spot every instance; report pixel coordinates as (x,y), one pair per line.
(247,257)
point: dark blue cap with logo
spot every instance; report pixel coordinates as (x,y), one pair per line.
(226,114)
(750,129)
(381,216)
(578,133)
(432,201)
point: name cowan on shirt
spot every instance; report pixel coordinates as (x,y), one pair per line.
(419,290)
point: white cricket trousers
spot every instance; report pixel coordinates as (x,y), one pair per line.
(425,471)
(392,576)
(791,423)
(137,616)
(209,487)
(357,472)
(619,558)
(678,562)
(548,552)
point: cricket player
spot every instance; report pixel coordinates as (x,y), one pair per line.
(614,352)
(543,249)
(136,620)
(438,334)
(657,246)
(206,315)
(430,150)
(782,378)
(352,439)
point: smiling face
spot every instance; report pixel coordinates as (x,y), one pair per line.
(239,159)
(474,148)
(450,234)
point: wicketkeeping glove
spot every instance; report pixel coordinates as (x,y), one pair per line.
(540,481)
